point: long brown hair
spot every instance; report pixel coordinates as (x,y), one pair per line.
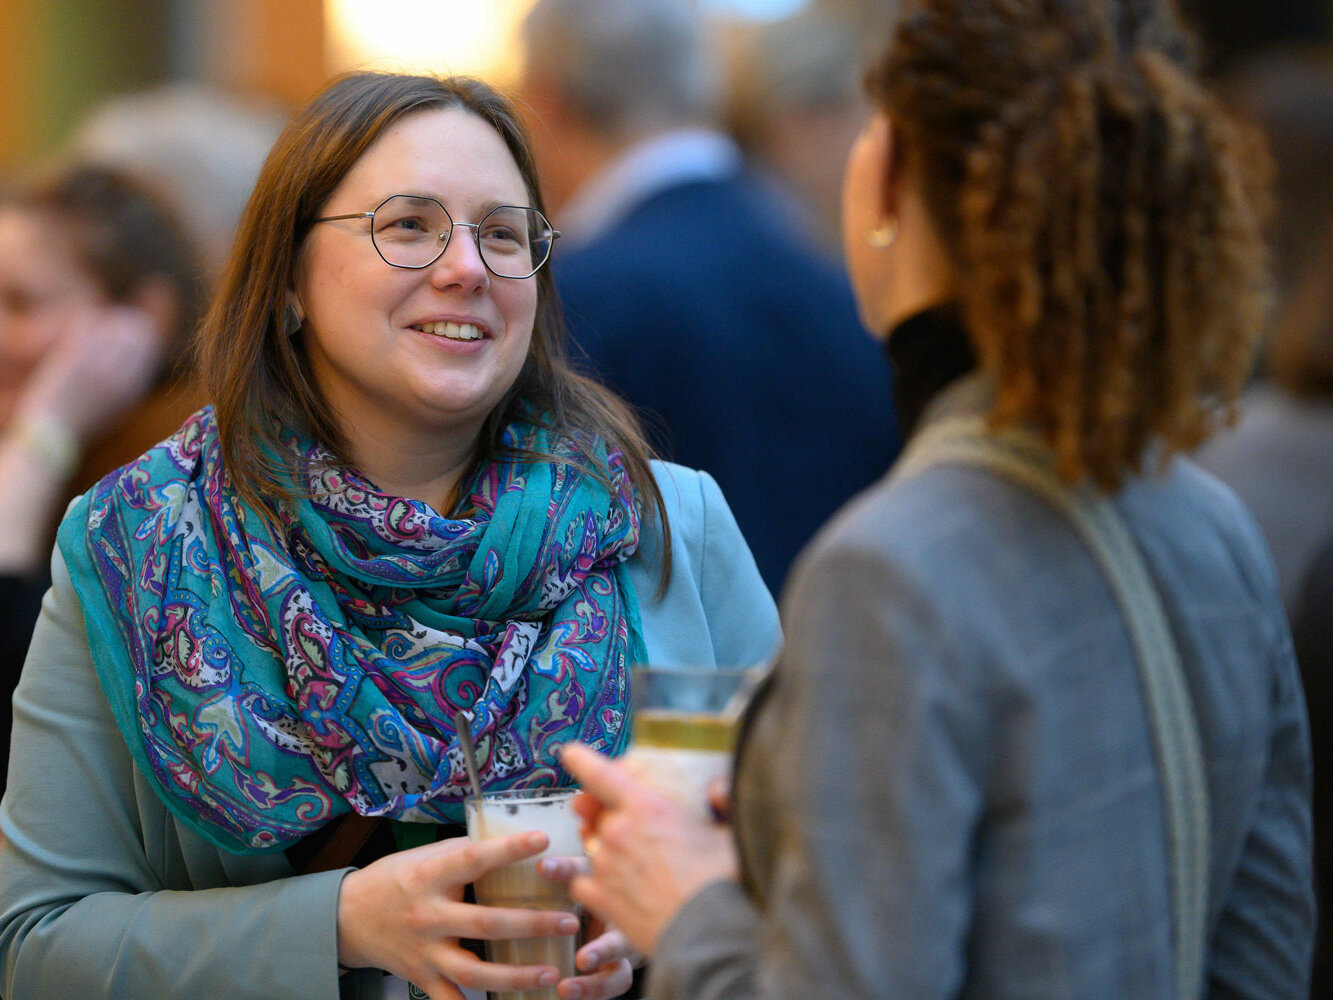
(258,377)
(1104,213)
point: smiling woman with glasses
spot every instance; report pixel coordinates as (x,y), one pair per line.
(235,735)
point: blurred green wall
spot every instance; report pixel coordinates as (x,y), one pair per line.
(65,56)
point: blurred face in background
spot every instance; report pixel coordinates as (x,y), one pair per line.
(43,288)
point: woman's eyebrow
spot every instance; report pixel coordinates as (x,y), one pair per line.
(482,207)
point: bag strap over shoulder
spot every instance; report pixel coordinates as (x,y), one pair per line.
(1024,459)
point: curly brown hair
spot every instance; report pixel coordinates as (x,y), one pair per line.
(1105,214)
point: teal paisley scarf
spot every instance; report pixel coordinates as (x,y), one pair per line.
(269,677)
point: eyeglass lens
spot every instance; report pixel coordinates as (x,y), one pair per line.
(412,232)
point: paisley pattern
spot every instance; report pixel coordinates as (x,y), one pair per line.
(270,674)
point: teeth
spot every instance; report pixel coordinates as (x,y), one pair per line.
(452,331)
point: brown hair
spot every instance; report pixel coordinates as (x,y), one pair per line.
(258,377)
(123,235)
(1104,214)
(1300,349)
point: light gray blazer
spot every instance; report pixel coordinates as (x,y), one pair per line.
(103,894)
(950,791)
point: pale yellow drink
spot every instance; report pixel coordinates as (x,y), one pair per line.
(683,737)
(519,885)
(706,732)
(682,753)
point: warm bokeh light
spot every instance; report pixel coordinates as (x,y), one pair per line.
(437,36)
(478,37)
(759,10)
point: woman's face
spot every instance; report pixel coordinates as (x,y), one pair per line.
(43,287)
(396,351)
(862,211)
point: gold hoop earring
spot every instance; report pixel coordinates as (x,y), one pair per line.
(883,235)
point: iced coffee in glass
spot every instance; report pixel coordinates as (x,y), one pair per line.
(498,814)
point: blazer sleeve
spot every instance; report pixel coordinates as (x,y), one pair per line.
(1264,936)
(865,767)
(742,616)
(716,610)
(98,895)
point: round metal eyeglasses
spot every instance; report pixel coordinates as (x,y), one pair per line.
(413,231)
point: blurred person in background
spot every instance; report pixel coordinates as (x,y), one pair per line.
(685,281)
(199,147)
(1279,455)
(104,268)
(1280,459)
(100,289)
(794,94)
(235,769)
(958,782)
(1312,636)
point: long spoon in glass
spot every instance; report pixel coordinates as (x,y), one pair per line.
(463,726)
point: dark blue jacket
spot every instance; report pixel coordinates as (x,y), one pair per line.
(706,309)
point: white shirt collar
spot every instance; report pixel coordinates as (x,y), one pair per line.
(662,161)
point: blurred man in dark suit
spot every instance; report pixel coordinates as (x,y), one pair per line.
(696,290)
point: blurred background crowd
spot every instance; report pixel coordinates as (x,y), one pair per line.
(131,131)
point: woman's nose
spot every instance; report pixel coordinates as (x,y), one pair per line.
(461,262)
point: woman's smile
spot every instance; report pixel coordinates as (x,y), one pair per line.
(456,330)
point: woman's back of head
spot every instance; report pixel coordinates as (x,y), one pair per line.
(1103,213)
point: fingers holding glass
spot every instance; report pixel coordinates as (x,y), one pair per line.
(522,884)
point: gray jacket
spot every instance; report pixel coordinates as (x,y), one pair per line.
(950,790)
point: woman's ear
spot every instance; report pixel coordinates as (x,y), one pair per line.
(878,153)
(887,156)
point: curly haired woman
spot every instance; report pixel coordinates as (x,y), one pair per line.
(1037,730)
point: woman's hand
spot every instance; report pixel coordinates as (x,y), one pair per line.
(405,913)
(99,367)
(608,958)
(648,855)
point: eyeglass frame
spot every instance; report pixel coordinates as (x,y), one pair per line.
(474,226)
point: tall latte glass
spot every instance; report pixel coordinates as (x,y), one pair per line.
(684,728)
(498,814)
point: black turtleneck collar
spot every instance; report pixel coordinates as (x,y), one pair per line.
(928,350)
